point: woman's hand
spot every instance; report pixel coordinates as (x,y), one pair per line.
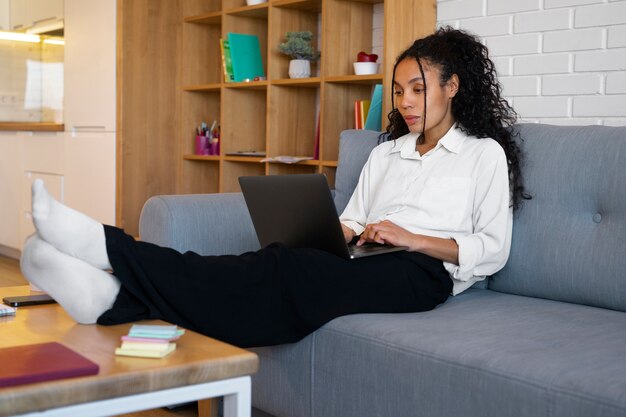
(390,233)
(348,234)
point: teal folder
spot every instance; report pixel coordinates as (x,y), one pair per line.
(375,114)
(245,53)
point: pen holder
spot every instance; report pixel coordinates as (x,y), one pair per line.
(202,145)
(214,147)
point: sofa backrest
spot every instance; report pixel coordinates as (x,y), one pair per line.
(569,241)
(354,149)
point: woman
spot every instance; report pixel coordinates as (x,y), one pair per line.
(440,187)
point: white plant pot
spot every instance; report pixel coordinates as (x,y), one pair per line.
(365,68)
(254,2)
(299,68)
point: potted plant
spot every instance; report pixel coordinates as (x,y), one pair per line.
(298,46)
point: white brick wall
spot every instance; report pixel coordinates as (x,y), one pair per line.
(559,61)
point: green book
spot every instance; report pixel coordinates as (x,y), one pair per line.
(245,53)
(227,61)
(375,113)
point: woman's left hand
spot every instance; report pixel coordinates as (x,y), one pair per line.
(388,233)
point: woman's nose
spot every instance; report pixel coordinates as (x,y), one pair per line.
(406,102)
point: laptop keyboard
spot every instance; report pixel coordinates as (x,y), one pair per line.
(366,248)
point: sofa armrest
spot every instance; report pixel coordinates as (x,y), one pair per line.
(208,224)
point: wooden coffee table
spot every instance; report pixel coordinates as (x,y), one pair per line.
(199,368)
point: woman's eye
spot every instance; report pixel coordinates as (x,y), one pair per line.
(397,92)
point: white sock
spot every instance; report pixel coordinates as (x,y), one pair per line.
(68,230)
(83,290)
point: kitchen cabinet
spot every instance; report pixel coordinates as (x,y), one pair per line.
(90,34)
(10,190)
(44,11)
(5,21)
(18,16)
(77,168)
(27,13)
(89,174)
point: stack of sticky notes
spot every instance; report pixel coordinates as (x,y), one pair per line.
(6,310)
(149,341)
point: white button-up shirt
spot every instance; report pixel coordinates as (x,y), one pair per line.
(458,190)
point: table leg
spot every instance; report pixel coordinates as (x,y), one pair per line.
(239,404)
(208,408)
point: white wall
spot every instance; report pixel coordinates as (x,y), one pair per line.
(559,61)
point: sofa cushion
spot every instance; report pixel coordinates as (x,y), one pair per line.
(568,241)
(492,353)
(354,149)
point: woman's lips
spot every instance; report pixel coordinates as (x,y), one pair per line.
(411,120)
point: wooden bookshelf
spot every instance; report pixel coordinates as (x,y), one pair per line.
(279,115)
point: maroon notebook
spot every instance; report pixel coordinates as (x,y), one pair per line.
(42,362)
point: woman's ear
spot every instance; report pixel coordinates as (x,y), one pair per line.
(453,85)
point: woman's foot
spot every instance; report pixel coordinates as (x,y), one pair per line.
(83,290)
(68,230)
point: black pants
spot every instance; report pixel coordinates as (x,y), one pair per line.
(273,296)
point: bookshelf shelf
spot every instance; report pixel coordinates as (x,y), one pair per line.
(356,79)
(308,162)
(313,82)
(253,85)
(213,18)
(307,5)
(207,158)
(213,87)
(365,1)
(282,116)
(259,11)
(246,159)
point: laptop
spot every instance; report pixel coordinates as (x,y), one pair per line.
(298,211)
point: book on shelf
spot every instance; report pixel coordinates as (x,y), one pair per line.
(245,54)
(42,362)
(316,148)
(365,107)
(361,108)
(227,62)
(375,114)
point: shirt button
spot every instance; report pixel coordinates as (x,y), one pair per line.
(597,218)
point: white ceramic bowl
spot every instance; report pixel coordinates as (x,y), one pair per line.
(364,68)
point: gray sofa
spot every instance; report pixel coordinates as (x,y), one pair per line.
(546,336)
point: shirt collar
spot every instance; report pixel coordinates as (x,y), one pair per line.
(452,141)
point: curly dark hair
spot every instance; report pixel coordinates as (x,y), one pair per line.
(478,106)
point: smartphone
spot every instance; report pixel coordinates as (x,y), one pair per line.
(28,300)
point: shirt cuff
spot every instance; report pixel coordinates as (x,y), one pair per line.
(356,227)
(464,271)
